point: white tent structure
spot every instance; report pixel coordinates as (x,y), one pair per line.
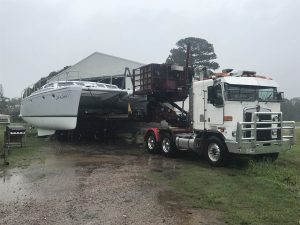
(100,67)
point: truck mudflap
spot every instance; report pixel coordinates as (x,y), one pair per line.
(247,142)
(155,131)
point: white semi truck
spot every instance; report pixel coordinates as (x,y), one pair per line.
(229,113)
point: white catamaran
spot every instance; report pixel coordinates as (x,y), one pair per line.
(57,105)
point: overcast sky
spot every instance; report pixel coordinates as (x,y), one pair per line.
(40,36)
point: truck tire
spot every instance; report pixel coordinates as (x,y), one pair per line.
(274,156)
(216,152)
(152,145)
(271,157)
(167,145)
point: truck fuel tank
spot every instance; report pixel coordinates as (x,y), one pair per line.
(188,141)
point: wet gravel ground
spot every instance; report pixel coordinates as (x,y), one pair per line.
(92,184)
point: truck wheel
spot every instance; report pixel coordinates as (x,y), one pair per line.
(271,157)
(274,156)
(167,145)
(216,152)
(152,145)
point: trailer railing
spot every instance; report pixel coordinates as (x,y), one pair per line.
(162,81)
(285,129)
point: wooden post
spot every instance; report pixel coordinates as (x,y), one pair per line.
(4,148)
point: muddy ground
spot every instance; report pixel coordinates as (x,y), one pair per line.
(93,184)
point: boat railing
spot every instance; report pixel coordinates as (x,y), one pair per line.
(74,76)
(28,91)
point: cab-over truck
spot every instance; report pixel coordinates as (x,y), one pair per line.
(233,112)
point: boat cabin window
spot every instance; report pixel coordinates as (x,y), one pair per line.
(250,93)
(89,84)
(63,84)
(111,86)
(49,85)
(79,83)
(101,85)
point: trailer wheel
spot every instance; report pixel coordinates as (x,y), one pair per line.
(167,145)
(152,145)
(216,152)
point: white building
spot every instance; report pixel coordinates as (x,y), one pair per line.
(100,67)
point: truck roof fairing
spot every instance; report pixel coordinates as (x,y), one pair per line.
(252,81)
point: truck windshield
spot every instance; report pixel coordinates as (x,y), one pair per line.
(250,93)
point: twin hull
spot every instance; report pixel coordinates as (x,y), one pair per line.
(58,109)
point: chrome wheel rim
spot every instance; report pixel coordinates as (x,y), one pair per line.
(214,152)
(151,142)
(166,145)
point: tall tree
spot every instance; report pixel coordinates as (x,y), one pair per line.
(3,104)
(201,53)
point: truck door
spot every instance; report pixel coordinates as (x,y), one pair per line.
(215,105)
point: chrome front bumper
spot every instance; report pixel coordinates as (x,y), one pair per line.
(260,147)
(250,145)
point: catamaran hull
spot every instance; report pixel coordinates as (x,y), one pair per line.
(52,110)
(59,109)
(48,125)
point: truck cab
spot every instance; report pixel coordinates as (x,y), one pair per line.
(233,112)
(244,110)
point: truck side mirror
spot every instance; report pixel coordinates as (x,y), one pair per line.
(211,93)
(280,96)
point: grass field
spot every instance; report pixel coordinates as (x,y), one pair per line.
(18,156)
(245,193)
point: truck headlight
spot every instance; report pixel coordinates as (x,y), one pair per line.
(275,119)
(274,133)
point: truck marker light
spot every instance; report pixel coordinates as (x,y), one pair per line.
(227,118)
(233,133)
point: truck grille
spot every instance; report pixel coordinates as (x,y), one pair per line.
(261,135)
(264,135)
(248,118)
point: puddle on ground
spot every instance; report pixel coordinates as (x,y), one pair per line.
(65,165)
(13,186)
(163,165)
(72,177)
